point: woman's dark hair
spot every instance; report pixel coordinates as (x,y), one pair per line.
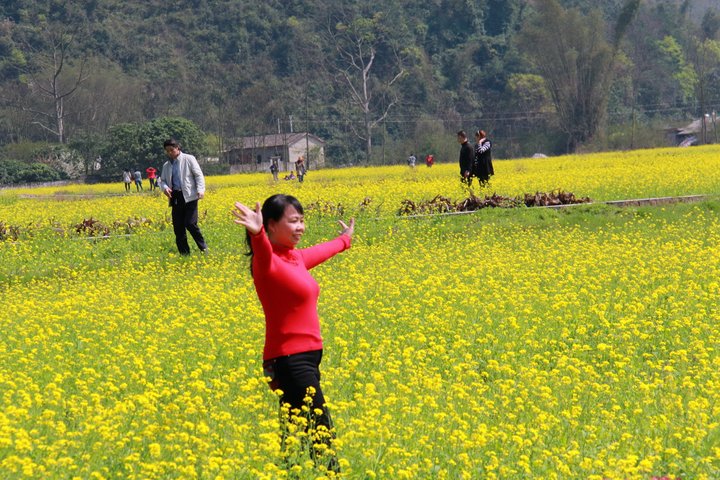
(273,209)
(481,134)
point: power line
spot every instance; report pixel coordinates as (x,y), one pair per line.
(400,119)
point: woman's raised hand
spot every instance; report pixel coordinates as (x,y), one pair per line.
(347,229)
(252,220)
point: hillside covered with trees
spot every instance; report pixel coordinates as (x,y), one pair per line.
(376,80)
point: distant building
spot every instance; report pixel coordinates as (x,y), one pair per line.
(692,134)
(255,154)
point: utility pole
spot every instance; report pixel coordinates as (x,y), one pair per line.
(307,131)
(632,134)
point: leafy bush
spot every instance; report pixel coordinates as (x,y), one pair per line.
(9,171)
(39,172)
(132,145)
(60,162)
(14,171)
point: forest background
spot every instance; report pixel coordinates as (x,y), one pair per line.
(86,85)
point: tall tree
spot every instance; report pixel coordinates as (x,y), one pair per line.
(51,79)
(705,56)
(368,63)
(572,54)
(662,75)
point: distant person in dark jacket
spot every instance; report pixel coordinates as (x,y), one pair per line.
(300,167)
(466,158)
(483,167)
(274,169)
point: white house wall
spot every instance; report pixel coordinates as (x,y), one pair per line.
(317,152)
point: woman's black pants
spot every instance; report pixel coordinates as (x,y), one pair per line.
(293,374)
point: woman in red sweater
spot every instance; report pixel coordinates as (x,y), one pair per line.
(289,294)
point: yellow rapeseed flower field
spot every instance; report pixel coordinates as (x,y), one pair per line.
(503,344)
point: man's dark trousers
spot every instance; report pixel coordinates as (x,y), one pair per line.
(185,217)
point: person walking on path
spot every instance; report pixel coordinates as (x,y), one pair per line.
(289,294)
(138,180)
(483,167)
(411,160)
(182,181)
(151,175)
(466,158)
(127,178)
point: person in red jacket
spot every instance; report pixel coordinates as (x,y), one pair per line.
(288,294)
(151,175)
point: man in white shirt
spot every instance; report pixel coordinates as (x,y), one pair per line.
(183,183)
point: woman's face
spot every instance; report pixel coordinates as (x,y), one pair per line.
(287,231)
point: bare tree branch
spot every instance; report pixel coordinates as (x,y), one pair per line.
(46,80)
(357,73)
(44,127)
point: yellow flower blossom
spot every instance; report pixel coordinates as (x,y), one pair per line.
(577,343)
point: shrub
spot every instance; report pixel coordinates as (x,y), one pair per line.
(14,171)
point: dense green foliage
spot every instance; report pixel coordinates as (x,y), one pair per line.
(14,171)
(129,144)
(361,75)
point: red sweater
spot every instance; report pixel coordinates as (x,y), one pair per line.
(289,294)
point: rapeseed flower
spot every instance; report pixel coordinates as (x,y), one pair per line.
(494,345)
